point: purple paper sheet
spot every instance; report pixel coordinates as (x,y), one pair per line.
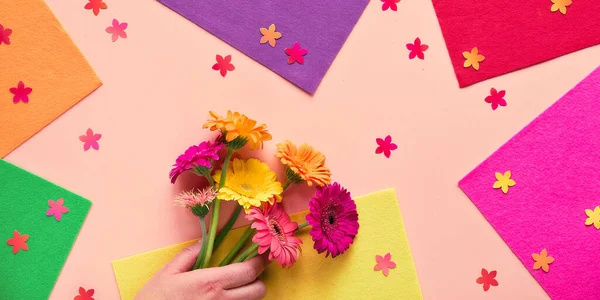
(320,26)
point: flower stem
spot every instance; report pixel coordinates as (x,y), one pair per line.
(302,226)
(251,255)
(214,218)
(286,184)
(200,258)
(234,251)
(248,251)
(223,233)
(210,180)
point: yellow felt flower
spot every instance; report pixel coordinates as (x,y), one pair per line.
(503,181)
(249,182)
(593,217)
(304,161)
(239,125)
(473,58)
(560,5)
(270,35)
(542,261)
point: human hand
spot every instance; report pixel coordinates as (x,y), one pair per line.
(174,281)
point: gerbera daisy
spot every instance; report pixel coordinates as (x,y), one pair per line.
(202,155)
(333,218)
(198,201)
(239,130)
(305,162)
(249,182)
(275,232)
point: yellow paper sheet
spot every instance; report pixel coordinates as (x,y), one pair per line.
(349,276)
(42,55)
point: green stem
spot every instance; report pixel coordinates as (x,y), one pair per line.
(214,218)
(200,258)
(210,180)
(248,251)
(251,255)
(234,251)
(286,184)
(223,233)
(302,226)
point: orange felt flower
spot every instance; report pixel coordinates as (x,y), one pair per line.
(473,58)
(305,161)
(237,125)
(560,5)
(542,261)
(270,35)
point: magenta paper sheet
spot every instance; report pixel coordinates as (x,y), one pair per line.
(319,26)
(555,162)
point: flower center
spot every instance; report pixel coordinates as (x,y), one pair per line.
(277,230)
(331,220)
(246,188)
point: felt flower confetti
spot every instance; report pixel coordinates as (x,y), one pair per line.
(416,49)
(90,140)
(487,279)
(503,181)
(96,6)
(385,146)
(21,93)
(223,64)
(384,264)
(542,261)
(270,35)
(57,208)
(296,54)
(560,5)
(496,98)
(304,163)
(4,35)
(85,295)
(473,58)
(18,242)
(593,217)
(390,4)
(117,30)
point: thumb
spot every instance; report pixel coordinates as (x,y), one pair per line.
(184,261)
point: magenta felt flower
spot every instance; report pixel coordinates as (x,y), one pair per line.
(21,93)
(417,49)
(90,140)
(202,155)
(333,218)
(57,208)
(296,54)
(223,65)
(390,4)
(385,146)
(496,98)
(117,30)
(4,35)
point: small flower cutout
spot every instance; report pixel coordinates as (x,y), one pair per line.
(223,65)
(384,264)
(473,58)
(18,242)
(385,146)
(270,35)
(96,6)
(117,30)
(487,279)
(21,93)
(90,140)
(57,208)
(542,261)
(296,54)
(593,217)
(417,49)
(390,4)
(560,5)
(496,98)
(85,295)
(503,181)
(4,35)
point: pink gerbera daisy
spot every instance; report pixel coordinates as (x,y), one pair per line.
(275,232)
(333,218)
(198,201)
(202,155)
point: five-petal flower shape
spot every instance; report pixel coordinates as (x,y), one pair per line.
(560,5)
(18,242)
(85,295)
(503,181)
(96,6)
(542,261)
(473,58)
(4,35)
(496,98)
(390,4)
(57,208)
(416,49)
(21,93)
(385,146)
(593,217)
(90,140)
(117,30)
(223,65)
(384,264)
(270,35)
(296,54)
(487,279)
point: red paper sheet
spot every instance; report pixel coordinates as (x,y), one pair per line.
(514,35)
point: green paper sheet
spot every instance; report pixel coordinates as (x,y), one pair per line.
(24,198)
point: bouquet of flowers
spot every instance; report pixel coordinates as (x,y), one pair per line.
(253,185)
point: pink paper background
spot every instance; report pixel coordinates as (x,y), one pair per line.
(555,164)
(158,85)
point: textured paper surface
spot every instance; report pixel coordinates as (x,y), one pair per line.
(349,276)
(555,163)
(31,274)
(512,37)
(42,55)
(320,26)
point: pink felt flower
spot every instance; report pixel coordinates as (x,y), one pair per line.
(223,65)
(117,30)
(384,264)
(496,98)
(487,279)
(202,155)
(387,4)
(275,232)
(296,54)
(333,218)
(90,140)
(85,295)
(21,93)
(18,242)
(96,6)
(57,209)
(385,146)
(4,33)
(417,49)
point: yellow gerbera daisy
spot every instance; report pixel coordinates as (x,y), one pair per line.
(237,125)
(304,161)
(249,182)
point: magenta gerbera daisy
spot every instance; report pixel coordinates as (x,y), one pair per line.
(333,218)
(275,232)
(202,155)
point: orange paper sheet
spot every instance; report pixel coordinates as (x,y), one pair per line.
(42,55)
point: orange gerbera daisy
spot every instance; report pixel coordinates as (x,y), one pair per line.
(236,125)
(305,162)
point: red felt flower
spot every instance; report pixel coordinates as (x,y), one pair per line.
(385,146)
(417,49)
(487,279)
(390,4)
(21,93)
(296,54)
(18,242)
(85,295)
(496,98)
(96,6)
(117,30)
(4,33)
(223,64)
